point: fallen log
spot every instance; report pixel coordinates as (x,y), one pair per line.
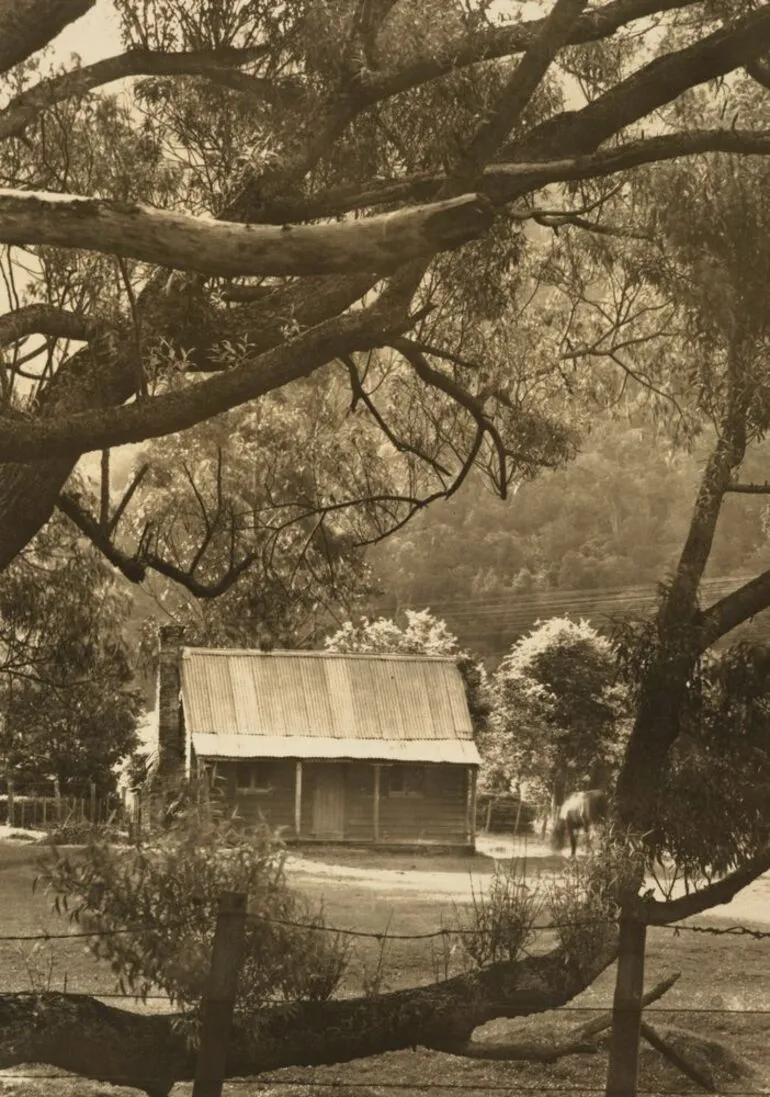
(83,1035)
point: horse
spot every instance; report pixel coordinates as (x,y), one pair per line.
(580,811)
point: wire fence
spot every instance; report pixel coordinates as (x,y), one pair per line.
(385,1082)
(387,935)
(264,1083)
(380,938)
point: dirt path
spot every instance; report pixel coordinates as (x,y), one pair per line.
(438,877)
(427,876)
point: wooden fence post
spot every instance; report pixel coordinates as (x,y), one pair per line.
(623,1065)
(219,1001)
(92,790)
(11,814)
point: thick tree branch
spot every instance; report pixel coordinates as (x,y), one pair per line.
(135,567)
(759,70)
(727,456)
(651,87)
(216,65)
(91,379)
(691,1070)
(47,320)
(151,1053)
(352,97)
(655,913)
(749,489)
(185,577)
(223,248)
(503,182)
(521,86)
(736,607)
(580,1040)
(503,41)
(28,26)
(85,431)
(369,19)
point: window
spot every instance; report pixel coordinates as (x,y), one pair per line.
(254,777)
(406,781)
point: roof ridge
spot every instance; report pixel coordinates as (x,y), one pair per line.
(294,653)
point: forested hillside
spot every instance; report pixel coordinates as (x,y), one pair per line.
(591,539)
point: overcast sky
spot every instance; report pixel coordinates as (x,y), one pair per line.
(93,36)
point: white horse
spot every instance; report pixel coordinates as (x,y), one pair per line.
(580,811)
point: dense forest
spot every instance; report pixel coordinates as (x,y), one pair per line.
(592,539)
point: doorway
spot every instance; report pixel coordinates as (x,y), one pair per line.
(329,801)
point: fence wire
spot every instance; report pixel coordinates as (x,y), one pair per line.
(386,935)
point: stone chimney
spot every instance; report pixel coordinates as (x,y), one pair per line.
(171,746)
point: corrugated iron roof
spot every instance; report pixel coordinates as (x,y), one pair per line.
(325,696)
(459,751)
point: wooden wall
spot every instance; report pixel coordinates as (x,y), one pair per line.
(275,806)
(425,804)
(438,815)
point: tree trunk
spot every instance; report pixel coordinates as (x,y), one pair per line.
(99,376)
(656,727)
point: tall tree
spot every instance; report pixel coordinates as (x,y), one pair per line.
(371,166)
(558,713)
(451,125)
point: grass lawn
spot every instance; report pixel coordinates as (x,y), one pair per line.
(724,988)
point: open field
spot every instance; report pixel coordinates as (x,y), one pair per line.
(724,992)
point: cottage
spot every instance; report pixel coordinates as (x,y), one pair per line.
(328,747)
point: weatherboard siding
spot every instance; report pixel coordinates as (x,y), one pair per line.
(329,729)
(437,815)
(275,807)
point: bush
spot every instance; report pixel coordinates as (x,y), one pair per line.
(583,901)
(580,905)
(165,897)
(501,922)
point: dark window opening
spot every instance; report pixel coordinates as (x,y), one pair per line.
(406,781)
(254,777)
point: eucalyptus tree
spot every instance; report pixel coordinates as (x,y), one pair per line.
(309,172)
(358,191)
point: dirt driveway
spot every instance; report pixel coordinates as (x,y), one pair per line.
(439,876)
(456,877)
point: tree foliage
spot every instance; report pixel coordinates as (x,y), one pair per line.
(423,634)
(152,911)
(308,115)
(68,706)
(558,712)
